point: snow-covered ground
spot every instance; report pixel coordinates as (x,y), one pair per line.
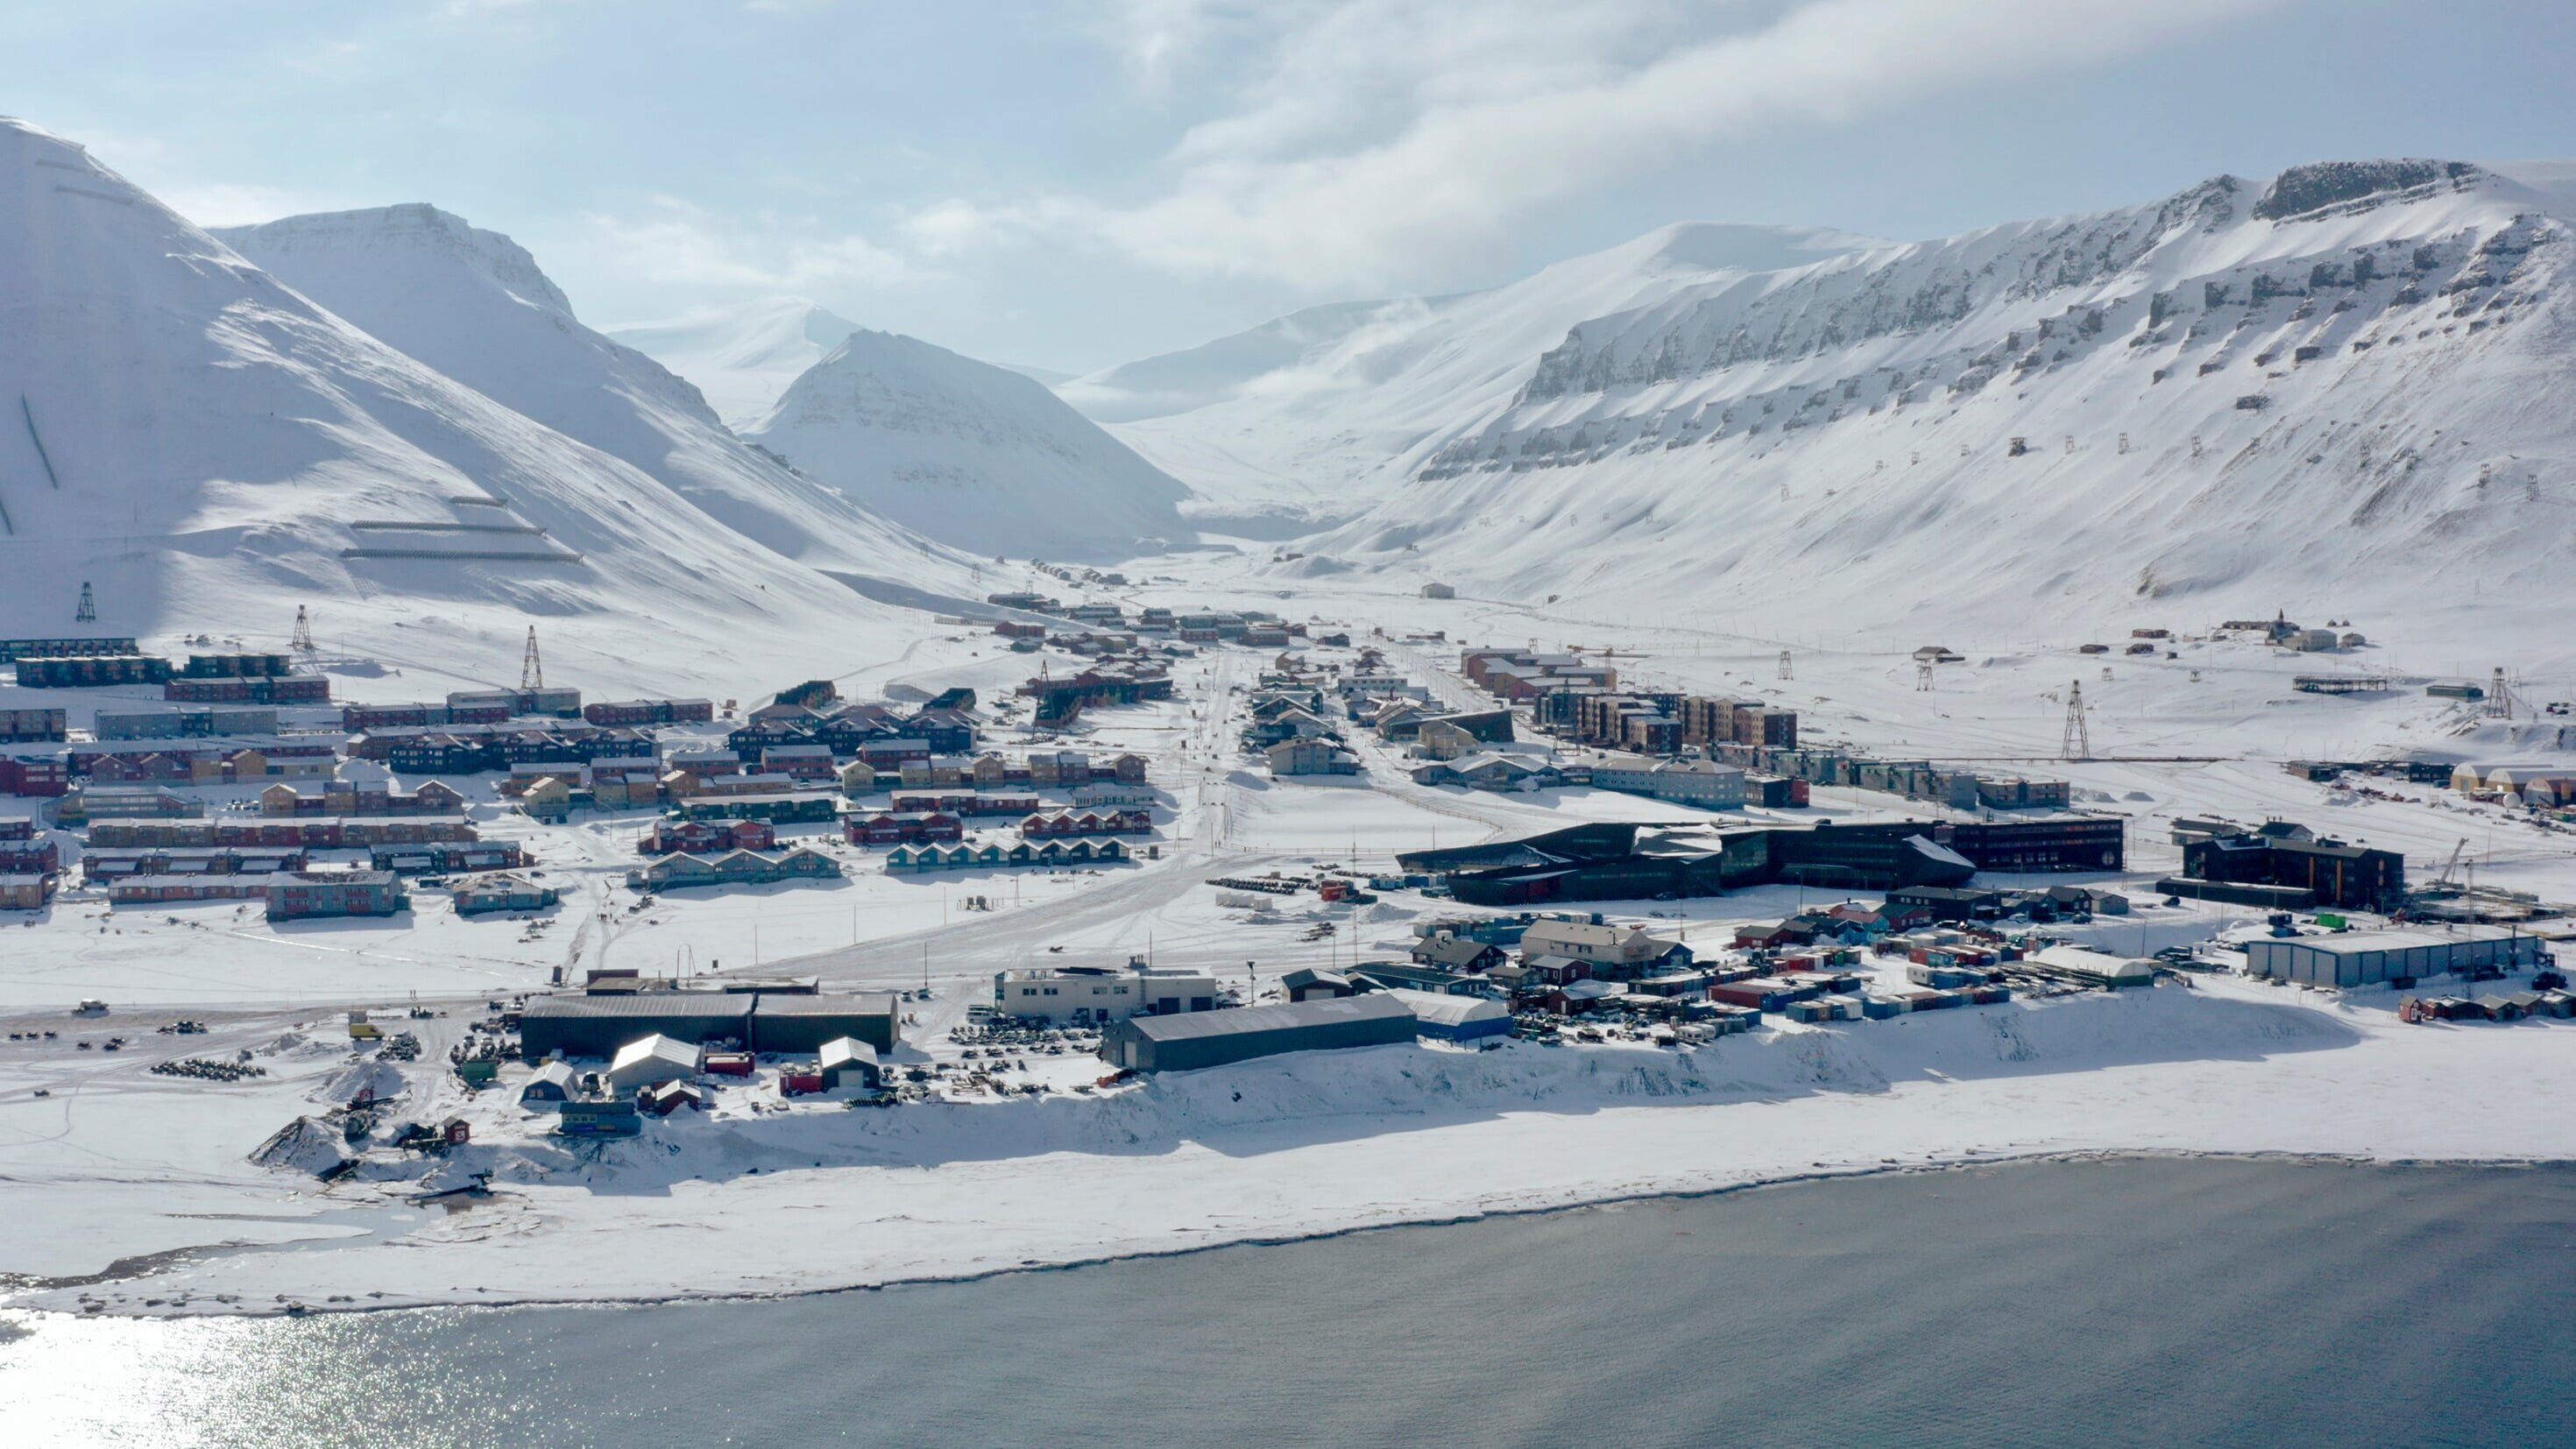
(1687,457)
(760,1195)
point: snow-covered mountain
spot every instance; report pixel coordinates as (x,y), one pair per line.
(744,356)
(972,455)
(474,305)
(210,448)
(1314,416)
(2331,390)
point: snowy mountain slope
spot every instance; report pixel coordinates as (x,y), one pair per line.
(2322,391)
(1212,372)
(742,357)
(972,455)
(210,449)
(477,307)
(1317,414)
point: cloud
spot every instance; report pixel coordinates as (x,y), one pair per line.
(681,244)
(1382,139)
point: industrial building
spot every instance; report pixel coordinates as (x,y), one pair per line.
(1216,1038)
(1461,1019)
(2369,958)
(799,1025)
(596,1026)
(846,1062)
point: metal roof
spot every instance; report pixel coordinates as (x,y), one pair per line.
(873,1003)
(641,1004)
(2354,943)
(1182,1026)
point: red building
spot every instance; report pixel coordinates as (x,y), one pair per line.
(903,827)
(35,775)
(708,837)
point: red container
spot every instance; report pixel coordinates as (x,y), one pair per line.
(797,1083)
(729,1064)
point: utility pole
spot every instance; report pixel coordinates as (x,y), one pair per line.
(532,670)
(2079,740)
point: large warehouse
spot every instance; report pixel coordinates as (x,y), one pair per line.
(1215,1038)
(596,1026)
(800,1025)
(789,1024)
(2366,958)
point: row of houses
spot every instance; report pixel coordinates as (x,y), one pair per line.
(345,797)
(328,834)
(466,707)
(911,859)
(1913,779)
(181,724)
(301,690)
(740,867)
(201,761)
(99,866)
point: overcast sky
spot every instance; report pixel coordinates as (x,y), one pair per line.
(1073,183)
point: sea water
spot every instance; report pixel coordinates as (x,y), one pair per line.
(2128,1301)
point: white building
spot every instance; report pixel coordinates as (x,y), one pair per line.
(1602,946)
(1705,783)
(651,1061)
(1062,994)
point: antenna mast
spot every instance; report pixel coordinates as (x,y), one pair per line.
(2079,740)
(532,670)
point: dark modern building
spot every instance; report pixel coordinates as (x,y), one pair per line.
(1215,1038)
(2065,842)
(2354,877)
(1609,862)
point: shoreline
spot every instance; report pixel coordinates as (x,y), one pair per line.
(1268,1240)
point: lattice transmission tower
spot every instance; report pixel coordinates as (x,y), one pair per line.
(2079,740)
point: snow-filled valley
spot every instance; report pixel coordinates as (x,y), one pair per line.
(1761,463)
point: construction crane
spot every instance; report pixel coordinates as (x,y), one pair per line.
(2446,878)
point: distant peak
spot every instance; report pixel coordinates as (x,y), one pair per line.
(490,253)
